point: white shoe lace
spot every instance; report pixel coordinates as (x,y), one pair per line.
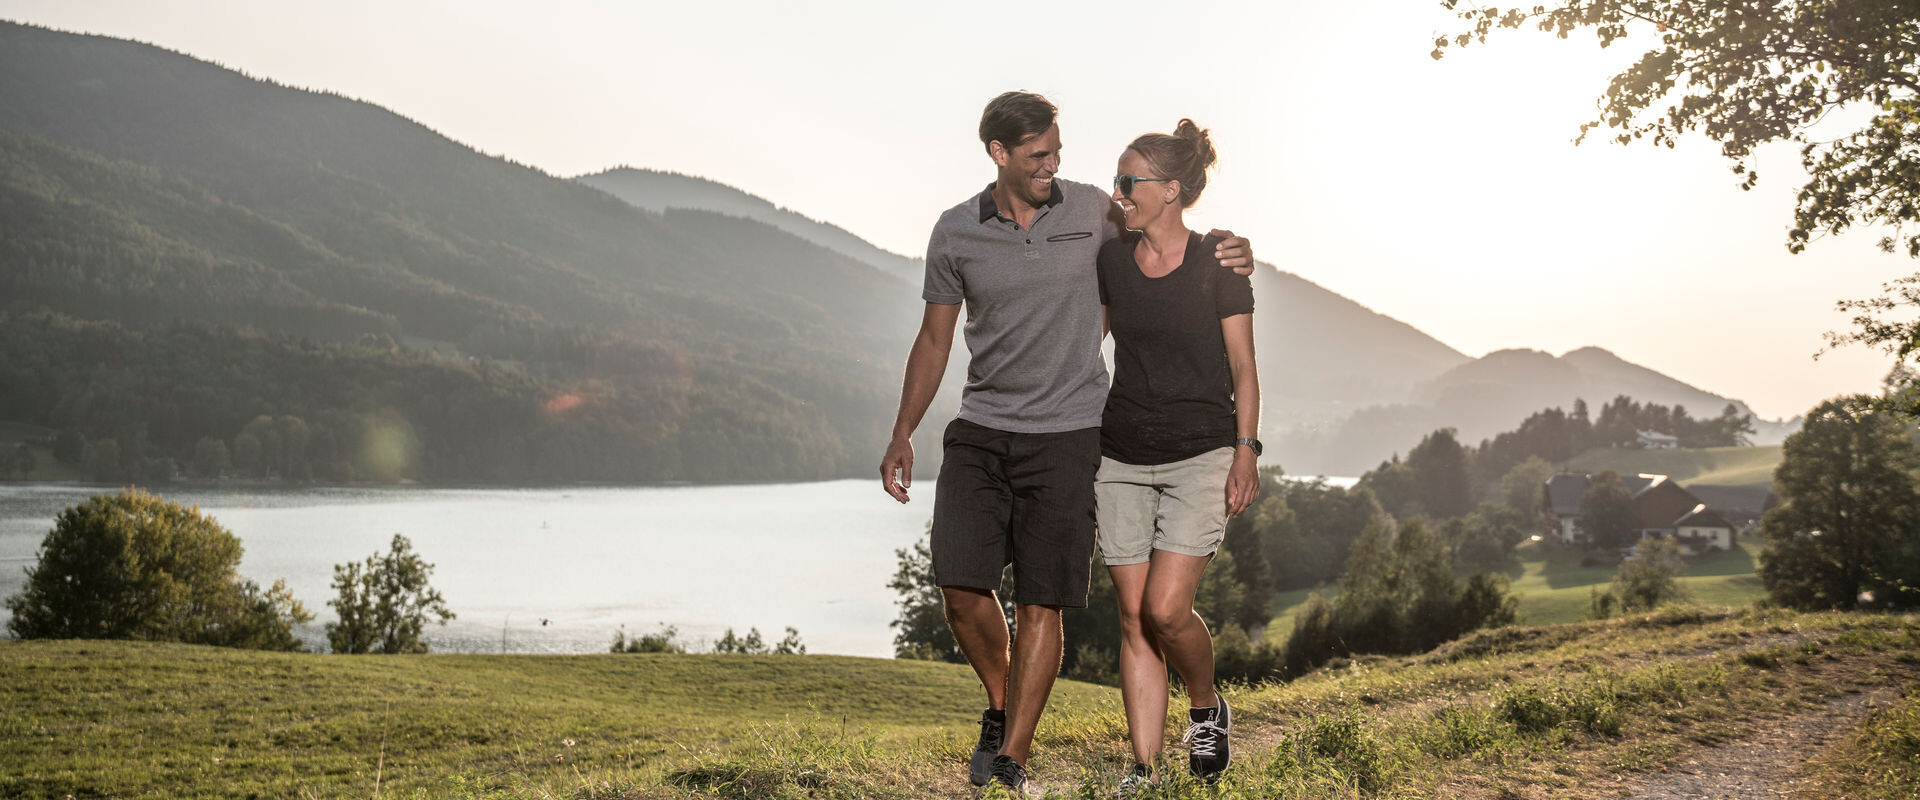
(1205,737)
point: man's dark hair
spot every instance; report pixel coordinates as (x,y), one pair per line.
(1013,117)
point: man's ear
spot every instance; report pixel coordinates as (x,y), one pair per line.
(998,151)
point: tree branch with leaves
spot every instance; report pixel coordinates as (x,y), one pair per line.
(1746,73)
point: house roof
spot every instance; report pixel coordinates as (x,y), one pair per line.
(1564,493)
(1662,502)
(1702,517)
(1639,484)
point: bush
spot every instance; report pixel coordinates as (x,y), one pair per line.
(1237,660)
(135,566)
(753,645)
(1399,595)
(384,603)
(664,641)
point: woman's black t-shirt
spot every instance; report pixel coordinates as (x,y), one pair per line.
(1172,395)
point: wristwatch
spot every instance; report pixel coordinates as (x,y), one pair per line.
(1253,443)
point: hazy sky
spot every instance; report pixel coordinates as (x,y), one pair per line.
(1446,194)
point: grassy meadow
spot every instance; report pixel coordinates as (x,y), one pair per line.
(1528,712)
(1553,587)
(1708,466)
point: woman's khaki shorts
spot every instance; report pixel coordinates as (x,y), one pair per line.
(1179,507)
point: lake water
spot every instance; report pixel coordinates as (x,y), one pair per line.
(814,556)
(560,570)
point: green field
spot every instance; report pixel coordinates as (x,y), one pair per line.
(1554,588)
(1530,712)
(1711,466)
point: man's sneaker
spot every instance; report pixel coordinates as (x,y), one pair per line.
(992,734)
(1009,775)
(1141,779)
(1210,752)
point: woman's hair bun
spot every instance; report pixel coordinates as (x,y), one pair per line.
(1202,143)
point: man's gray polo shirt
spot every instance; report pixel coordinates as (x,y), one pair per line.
(1033,307)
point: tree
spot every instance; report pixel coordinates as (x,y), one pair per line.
(21,461)
(1524,489)
(920,631)
(1606,511)
(664,641)
(1746,74)
(210,457)
(384,602)
(1849,517)
(1443,482)
(1650,577)
(1398,595)
(135,566)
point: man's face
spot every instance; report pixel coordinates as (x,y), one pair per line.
(1027,169)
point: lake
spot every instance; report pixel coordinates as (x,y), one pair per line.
(560,570)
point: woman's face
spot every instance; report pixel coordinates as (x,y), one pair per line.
(1150,199)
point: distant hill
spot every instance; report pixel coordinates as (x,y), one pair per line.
(718,337)
(658,191)
(1324,356)
(1321,354)
(144,190)
(1493,393)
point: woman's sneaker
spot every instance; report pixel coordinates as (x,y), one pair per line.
(1209,752)
(1140,780)
(993,733)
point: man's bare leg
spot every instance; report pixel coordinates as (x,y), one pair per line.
(980,628)
(1036,660)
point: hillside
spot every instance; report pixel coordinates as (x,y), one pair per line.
(1322,355)
(1586,710)
(146,190)
(1744,467)
(659,191)
(1494,393)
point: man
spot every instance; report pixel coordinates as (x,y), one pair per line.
(1016,484)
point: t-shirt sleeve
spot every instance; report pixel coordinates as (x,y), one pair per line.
(1232,291)
(943,284)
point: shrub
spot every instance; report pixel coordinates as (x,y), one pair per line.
(135,566)
(1236,659)
(384,603)
(665,641)
(753,645)
(1398,595)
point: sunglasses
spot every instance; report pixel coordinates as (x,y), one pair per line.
(1125,183)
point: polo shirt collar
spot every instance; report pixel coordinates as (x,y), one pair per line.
(990,209)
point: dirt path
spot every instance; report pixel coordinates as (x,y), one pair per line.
(1762,765)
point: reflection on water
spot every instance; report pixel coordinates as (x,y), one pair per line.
(814,556)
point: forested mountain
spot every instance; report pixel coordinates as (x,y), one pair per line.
(179,232)
(655,190)
(146,188)
(1323,356)
(1494,393)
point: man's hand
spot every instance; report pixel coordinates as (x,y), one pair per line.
(899,459)
(1233,251)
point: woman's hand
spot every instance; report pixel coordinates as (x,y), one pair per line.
(1243,481)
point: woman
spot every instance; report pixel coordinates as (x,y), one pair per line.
(1177,440)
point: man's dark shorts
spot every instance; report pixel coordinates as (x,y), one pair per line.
(1024,499)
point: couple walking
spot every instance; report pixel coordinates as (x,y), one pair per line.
(1042,449)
